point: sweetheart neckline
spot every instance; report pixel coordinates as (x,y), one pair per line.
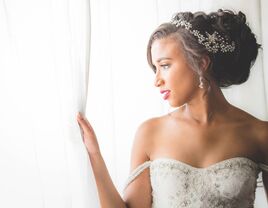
(149,163)
(208,167)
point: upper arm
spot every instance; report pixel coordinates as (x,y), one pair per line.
(264,151)
(265,182)
(138,193)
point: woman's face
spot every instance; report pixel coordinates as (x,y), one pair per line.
(173,73)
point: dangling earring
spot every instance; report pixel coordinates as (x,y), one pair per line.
(201,83)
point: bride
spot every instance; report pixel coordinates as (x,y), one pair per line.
(207,153)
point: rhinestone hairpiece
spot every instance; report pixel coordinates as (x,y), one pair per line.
(213,42)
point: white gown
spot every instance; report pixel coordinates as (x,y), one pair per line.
(230,183)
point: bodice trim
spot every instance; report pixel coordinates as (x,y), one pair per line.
(137,171)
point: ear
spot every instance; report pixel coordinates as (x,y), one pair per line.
(205,62)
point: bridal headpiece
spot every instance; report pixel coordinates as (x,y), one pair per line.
(213,42)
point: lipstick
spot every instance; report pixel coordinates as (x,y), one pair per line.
(165,93)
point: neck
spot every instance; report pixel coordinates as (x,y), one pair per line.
(203,108)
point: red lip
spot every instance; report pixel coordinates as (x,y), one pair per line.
(162,91)
(167,92)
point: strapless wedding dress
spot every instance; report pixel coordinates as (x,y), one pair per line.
(230,183)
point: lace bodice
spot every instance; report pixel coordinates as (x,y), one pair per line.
(227,184)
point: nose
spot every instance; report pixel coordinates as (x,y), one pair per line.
(158,81)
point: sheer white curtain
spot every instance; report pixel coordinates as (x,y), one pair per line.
(121,90)
(44,61)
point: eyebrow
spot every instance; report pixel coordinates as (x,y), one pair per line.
(163,58)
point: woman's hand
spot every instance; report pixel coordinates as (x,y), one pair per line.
(89,137)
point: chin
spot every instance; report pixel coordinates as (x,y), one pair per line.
(176,104)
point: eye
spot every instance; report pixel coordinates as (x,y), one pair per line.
(165,66)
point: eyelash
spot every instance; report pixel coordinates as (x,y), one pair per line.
(164,66)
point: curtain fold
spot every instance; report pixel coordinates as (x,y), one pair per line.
(44,78)
(264,36)
(44,63)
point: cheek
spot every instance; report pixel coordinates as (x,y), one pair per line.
(184,86)
(185,81)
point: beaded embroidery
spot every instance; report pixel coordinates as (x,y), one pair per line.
(227,184)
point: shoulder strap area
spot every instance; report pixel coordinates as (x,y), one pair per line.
(136,172)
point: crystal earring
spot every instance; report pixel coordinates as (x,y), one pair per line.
(201,83)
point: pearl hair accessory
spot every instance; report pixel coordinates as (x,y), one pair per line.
(213,42)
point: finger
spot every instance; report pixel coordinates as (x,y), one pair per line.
(84,123)
(81,129)
(84,119)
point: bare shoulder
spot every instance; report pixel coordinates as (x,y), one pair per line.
(258,127)
(246,118)
(259,130)
(148,128)
(143,140)
(148,125)
(138,192)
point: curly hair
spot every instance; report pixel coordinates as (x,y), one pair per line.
(225,68)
